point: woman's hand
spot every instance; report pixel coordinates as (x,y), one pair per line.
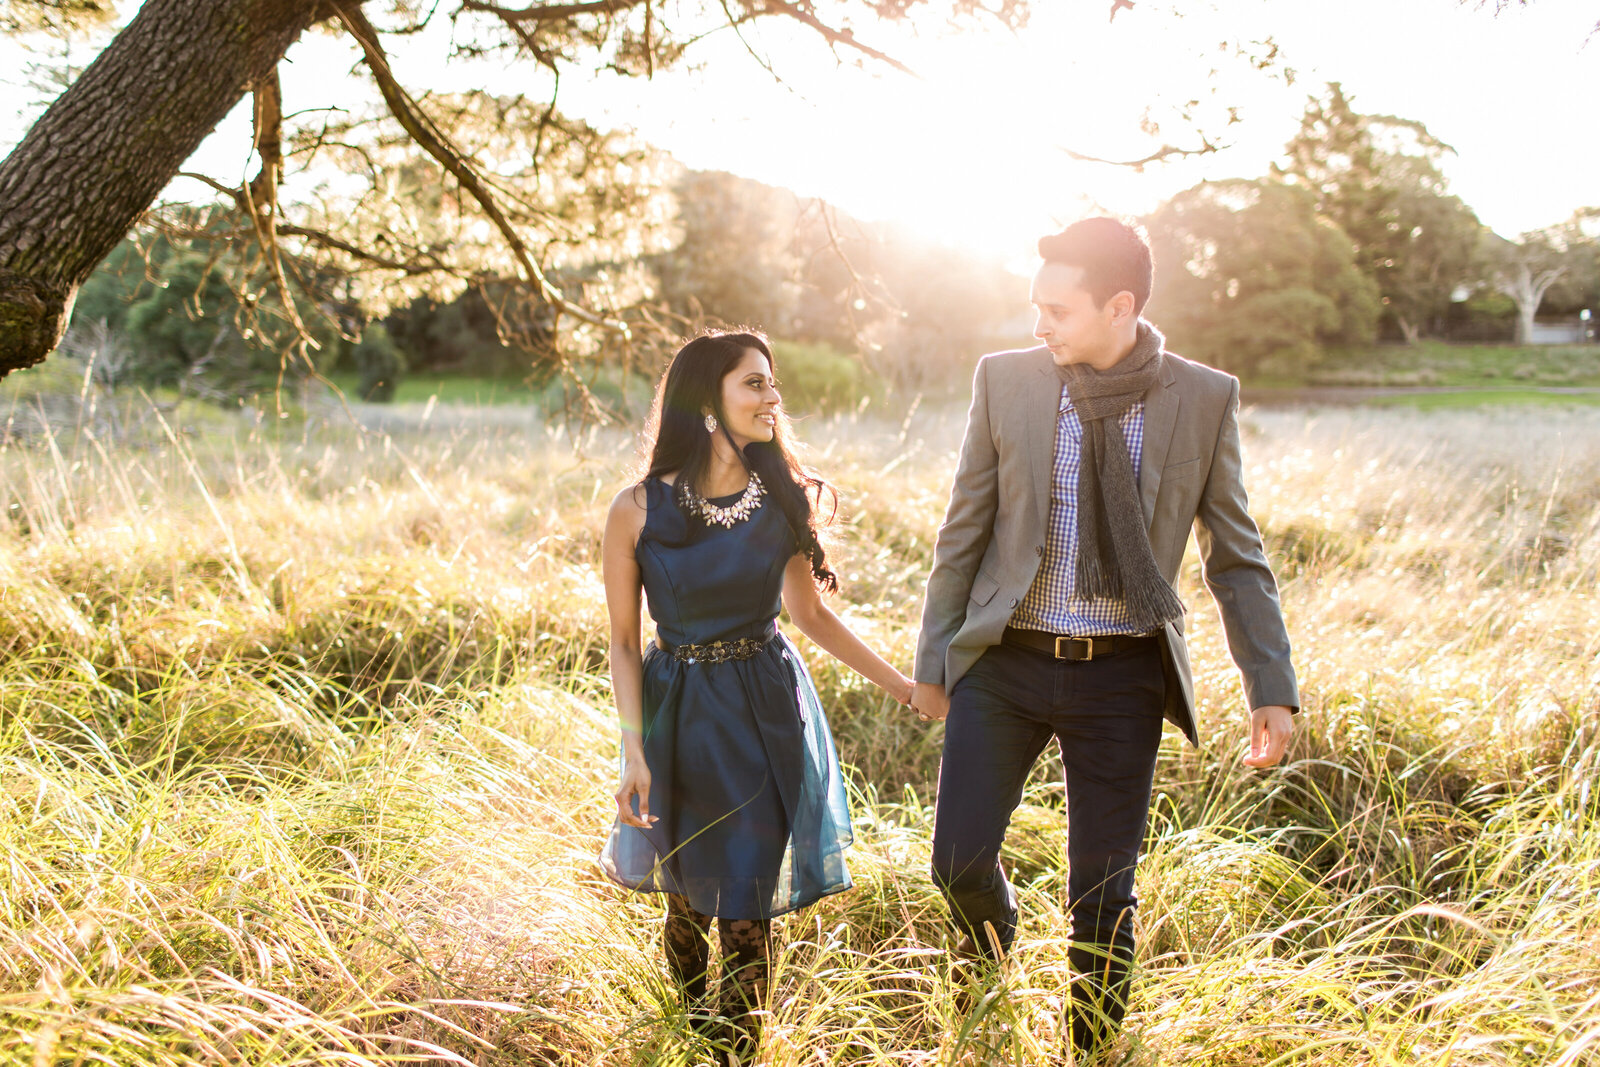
(635,783)
(901,690)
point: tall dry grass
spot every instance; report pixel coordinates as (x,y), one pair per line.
(306,744)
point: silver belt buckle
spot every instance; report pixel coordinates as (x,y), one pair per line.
(1088,646)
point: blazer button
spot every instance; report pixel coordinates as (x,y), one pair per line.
(1014,602)
(1038,550)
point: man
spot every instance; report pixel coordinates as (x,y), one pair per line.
(1051,609)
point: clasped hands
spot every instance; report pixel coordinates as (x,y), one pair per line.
(928,701)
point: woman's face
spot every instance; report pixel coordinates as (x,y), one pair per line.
(750,399)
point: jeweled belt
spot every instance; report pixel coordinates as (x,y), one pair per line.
(719,651)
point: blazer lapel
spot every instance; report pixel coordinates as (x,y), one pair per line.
(1044,411)
(1160,416)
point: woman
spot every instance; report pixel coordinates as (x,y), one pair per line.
(731,800)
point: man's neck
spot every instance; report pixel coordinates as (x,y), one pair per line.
(1120,352)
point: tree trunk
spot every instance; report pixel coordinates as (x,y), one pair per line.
(1527,308)
(100,155)
(1526,288)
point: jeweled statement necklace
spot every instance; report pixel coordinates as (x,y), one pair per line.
(736,512)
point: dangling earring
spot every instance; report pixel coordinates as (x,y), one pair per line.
(711,423)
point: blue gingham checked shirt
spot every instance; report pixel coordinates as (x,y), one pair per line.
(1053,603)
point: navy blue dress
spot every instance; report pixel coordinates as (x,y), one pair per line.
(743,772)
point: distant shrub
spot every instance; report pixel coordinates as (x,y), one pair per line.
(58,376)
(1250,279)
(625,393)
(819,378)
(379,363)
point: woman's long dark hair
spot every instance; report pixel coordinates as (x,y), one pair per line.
(691,386)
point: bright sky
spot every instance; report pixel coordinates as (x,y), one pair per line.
(972,151)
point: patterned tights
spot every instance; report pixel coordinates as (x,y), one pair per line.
(746,946)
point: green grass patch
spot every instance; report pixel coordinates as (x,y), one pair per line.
(487,391)
(450,389)
(1436,363)
(1461,399)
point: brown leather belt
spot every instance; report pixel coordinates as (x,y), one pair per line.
(1075,649)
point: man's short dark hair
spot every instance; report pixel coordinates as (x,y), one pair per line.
(1113,255)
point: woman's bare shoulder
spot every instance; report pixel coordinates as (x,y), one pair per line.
(629,508)
(632,503)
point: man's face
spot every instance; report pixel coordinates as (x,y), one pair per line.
(1069,324)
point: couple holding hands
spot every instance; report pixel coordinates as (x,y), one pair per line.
(1050,612)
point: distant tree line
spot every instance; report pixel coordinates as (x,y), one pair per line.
(865,306)
(1353,237)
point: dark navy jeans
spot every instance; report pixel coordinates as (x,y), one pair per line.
(1106,715)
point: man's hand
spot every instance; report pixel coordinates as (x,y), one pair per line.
(930,702)
(1271,726)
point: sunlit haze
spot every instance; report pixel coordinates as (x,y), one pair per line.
(973,150)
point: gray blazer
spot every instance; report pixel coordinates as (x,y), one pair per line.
(992,540)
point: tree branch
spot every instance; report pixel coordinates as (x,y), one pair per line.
(833,36)
(554,12)
(425,264)
(1546,279)
(260,197)
(226,190)
(432,142)
(1166,151)
(736,21)
(267,96)
(550,12)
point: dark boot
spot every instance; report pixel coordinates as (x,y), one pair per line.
(1099,995)
(975,970)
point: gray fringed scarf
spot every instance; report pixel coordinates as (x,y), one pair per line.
(1114,555)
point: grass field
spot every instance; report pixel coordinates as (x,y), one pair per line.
(1437,375)
(306,747)
(1426,398)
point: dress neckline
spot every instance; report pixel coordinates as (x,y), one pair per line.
(672,491)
